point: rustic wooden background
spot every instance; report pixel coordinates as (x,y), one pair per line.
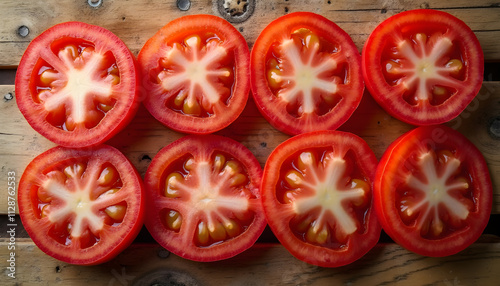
(145,263)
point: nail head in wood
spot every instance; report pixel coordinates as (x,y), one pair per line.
(8,96)
(95,3)
(23,31)
(183,5)
(495,128)
(166,277)
(163,253)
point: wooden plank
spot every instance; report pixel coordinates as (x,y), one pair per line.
(141,264)
(126,18)
(144,137)
(150,264)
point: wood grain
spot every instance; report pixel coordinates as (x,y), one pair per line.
(149,264)
(127,19)
(144,137)
(145,264)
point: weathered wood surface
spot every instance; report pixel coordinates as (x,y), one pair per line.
(136,21)
(270,264)
(144,137)
(263,264)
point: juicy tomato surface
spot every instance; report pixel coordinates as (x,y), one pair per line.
(305,74)
(433,192)
(81,206)
(77,84)
(196,74)
(317,197)
(423,66)
(203,198)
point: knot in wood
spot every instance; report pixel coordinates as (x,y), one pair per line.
(236,11)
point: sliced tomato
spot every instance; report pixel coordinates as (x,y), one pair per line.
(77,84)
(317,197)
(81,206)
(203,198)
(423,66)
(196,74)
(433,192)
(305,73)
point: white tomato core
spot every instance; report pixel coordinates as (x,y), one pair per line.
(80,200)
(437,194)
(327,196)
(216,191)
(305,72)
(76,86)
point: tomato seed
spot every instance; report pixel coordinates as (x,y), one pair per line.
(174,220)
(108,176)
(116,212)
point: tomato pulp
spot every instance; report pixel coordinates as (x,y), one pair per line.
(196,74)
(81,206)
(317,197)
(203,197)
(305,73)
(423,66)
(77,84)
(433,192)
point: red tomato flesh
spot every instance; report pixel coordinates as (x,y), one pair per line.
(433,192)
(77,84)
(306,73)
(203,193)
(81,206)
(423,66)
(317,196)
(196,74)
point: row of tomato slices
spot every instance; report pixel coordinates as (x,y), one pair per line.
(206,197)
(78,85)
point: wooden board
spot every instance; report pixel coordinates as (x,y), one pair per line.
(264,264)
(135,21)
(145,136)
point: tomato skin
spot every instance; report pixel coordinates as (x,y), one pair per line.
(421,102)
(281,215)
(348,82)
(391,179)
(201,189)
(158,101)
(126,92)
(114,237)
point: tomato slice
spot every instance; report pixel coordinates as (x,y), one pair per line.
(317,197)
(423,66)
(77,84)
(433,192)
(305,73)
(203,198)
(81,206)
(196,74)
